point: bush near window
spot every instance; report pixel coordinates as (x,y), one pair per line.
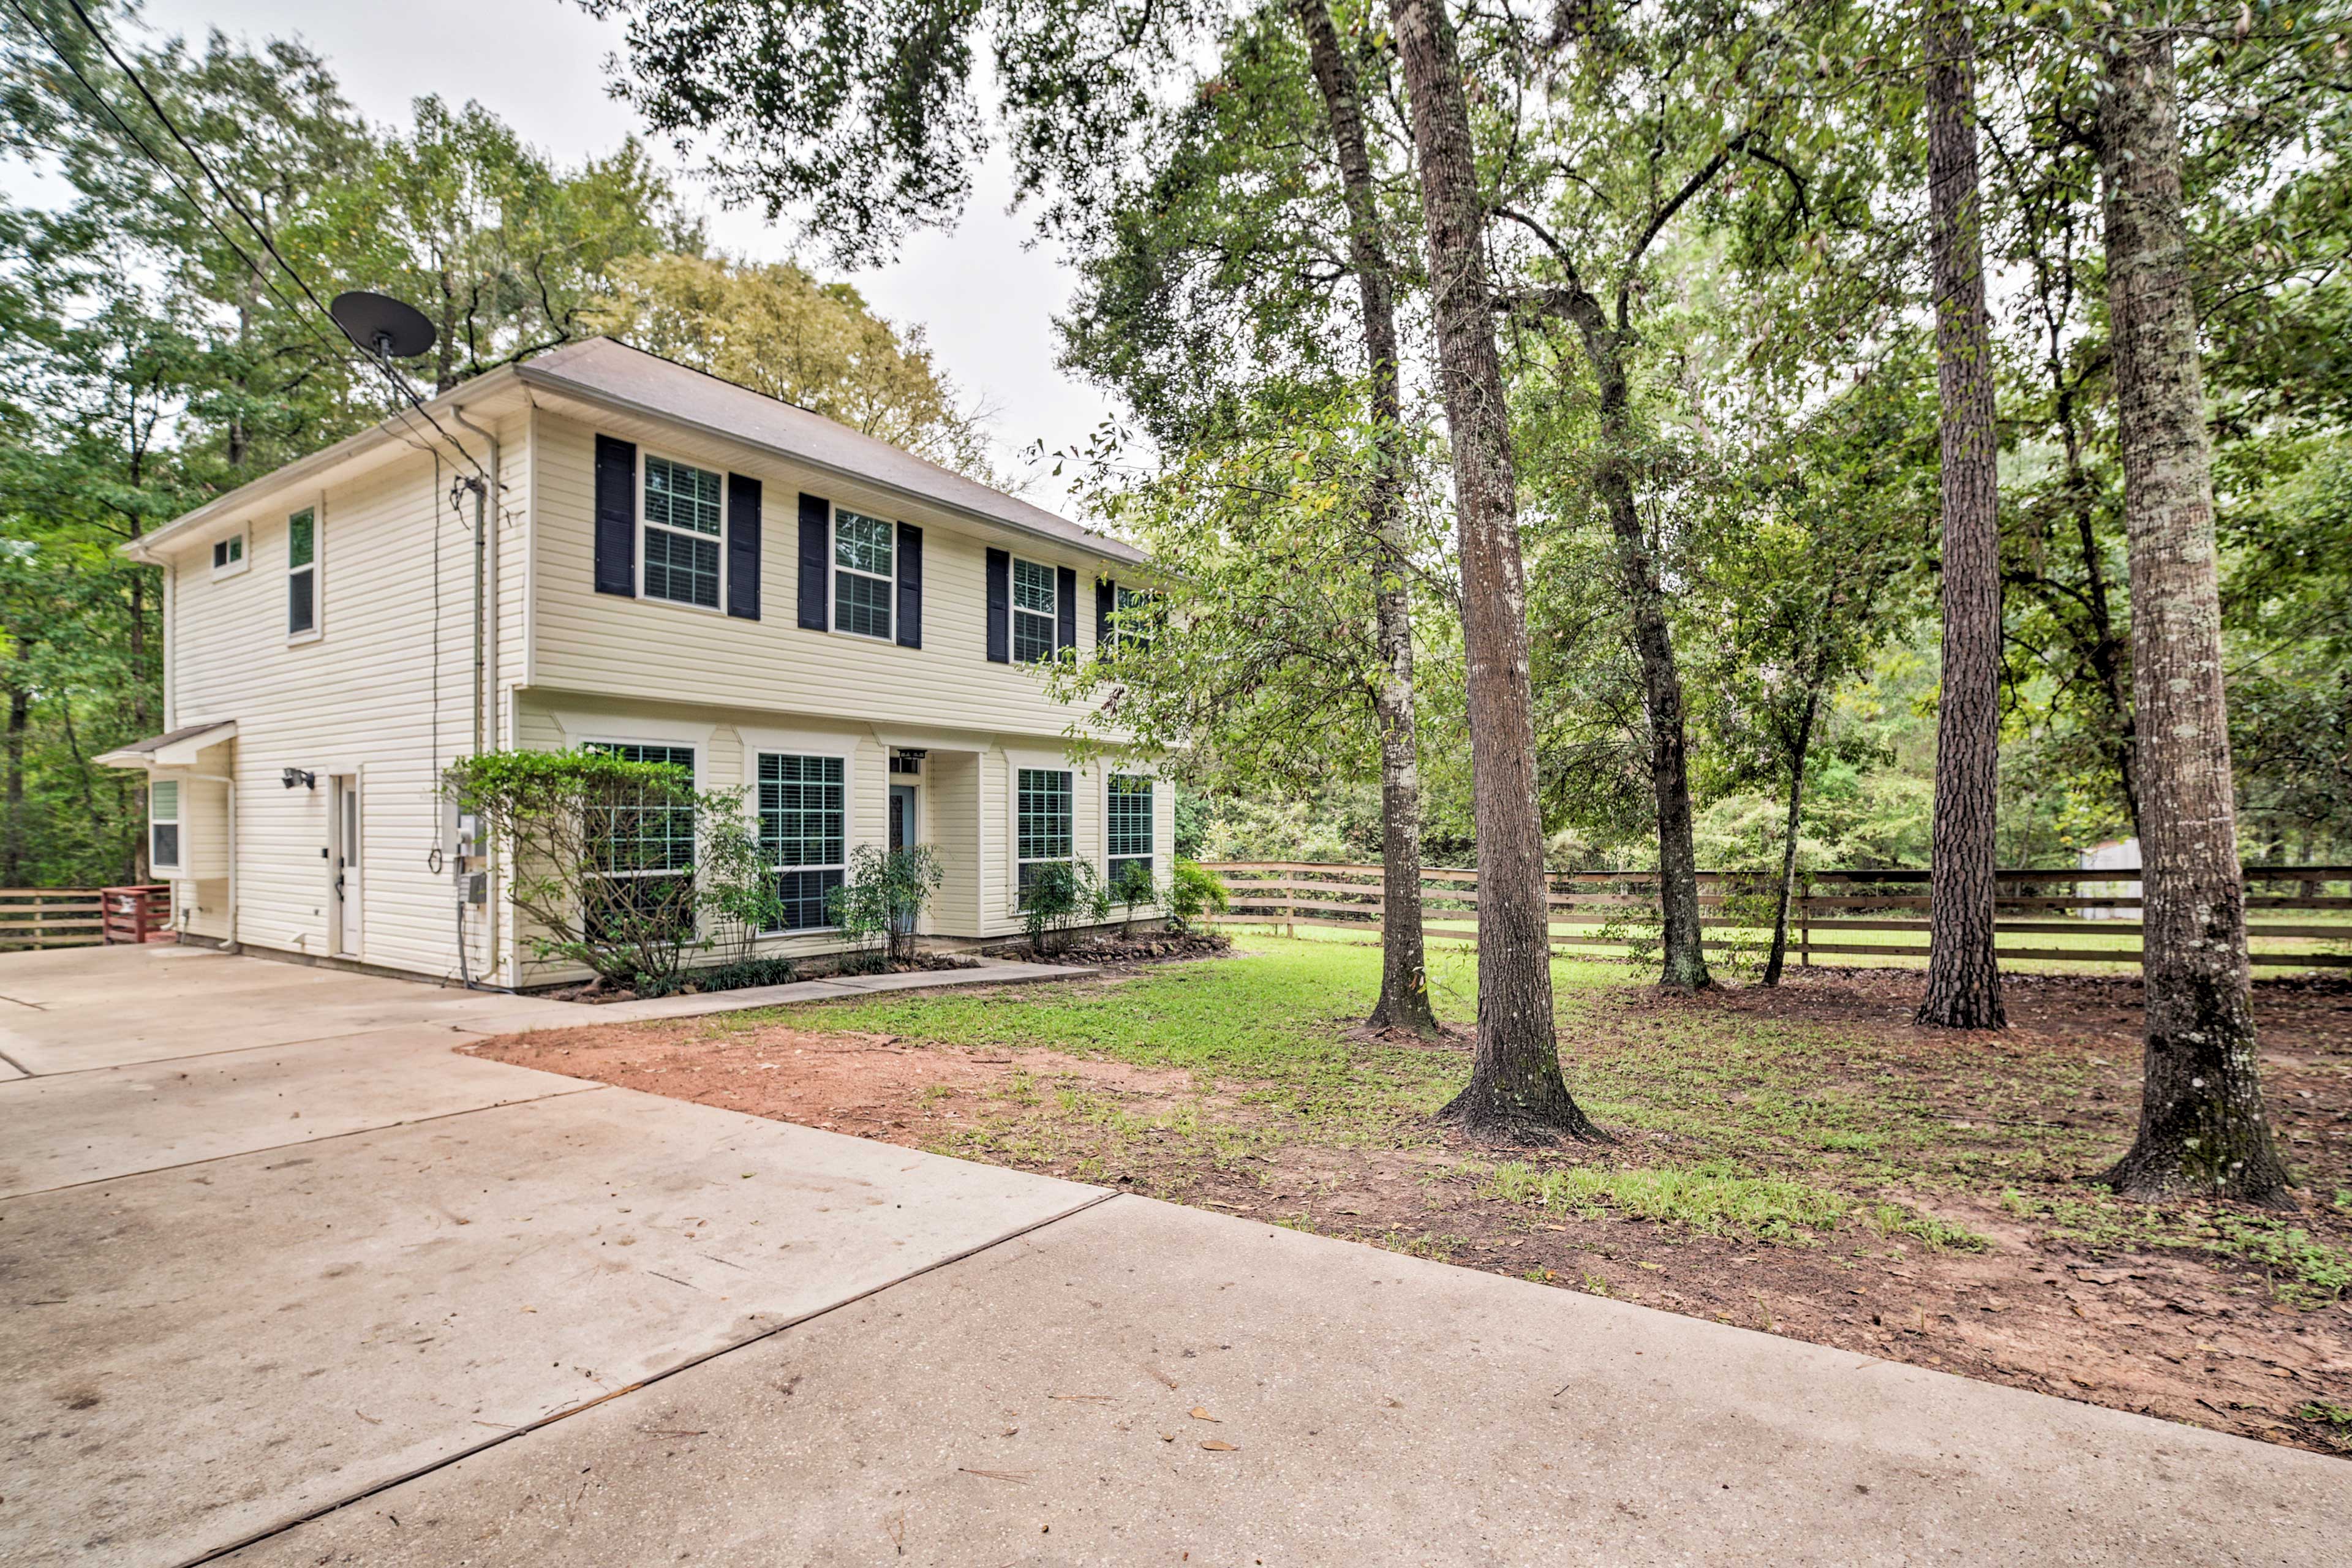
(1194,890)
(887,893)
(1061,894)
(621,866)
(1131,887)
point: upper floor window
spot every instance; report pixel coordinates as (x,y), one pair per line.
(682,533)
(164,824)
(228,556)
(865,573)
(1133,608)
(1035,612)
(302,572)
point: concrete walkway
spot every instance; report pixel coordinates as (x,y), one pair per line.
(357,1299)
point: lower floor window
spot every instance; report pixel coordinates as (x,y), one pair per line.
(641,845)
(1130,831)
(1043,828)
(803,832)
(164,824)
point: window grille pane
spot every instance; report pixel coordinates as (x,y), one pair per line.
(682,568)
(802,810)
(1033,636)
(807,898)
(1118,869)
(861,605)
(1033,587)
(637,835)
(1131,816)
(165,850)
(301,539)
(862,544)
(680,497)
(1044,815)
(163,800)
(301,601)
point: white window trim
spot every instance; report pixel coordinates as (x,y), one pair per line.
(785,747)
(1053,617)
(1019,765)
(242,538)
(316,508)
(645,525)
(702,752)
(1152,822)
(178,821)
(835,569)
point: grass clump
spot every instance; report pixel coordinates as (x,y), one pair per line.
(2302,1270)
(1716,1198)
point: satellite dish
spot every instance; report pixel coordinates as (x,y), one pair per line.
(381,324)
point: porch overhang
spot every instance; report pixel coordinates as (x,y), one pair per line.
(181,748)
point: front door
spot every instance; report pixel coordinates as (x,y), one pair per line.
(902,816)
(344,909)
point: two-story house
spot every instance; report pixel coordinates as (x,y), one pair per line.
(844,633)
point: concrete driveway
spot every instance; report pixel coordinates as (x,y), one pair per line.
(334,1294)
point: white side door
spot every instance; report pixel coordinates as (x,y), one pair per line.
(348,838)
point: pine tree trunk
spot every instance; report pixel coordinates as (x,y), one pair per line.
(1515,1093)
(2202,1128)
(1404,971)
(13,842)
(1963,977)
(1683,953)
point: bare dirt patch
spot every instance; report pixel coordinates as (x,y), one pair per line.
(2186,1314)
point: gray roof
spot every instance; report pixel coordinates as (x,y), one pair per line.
(605,370)
(154,743)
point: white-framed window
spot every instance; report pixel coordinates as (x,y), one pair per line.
(803,831)
(164,824)
(302,573)
(228,554)
(1132,607)
(684,528)
(1044,825)
(1035,612)
(1127,815)
(865,573)
(639,848)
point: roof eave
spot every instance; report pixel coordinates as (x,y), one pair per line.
(532,376)
(145,549)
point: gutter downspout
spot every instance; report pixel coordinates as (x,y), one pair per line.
(486,654)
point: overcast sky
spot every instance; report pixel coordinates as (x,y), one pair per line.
(986,301)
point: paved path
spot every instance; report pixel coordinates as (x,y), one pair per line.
(503,1317)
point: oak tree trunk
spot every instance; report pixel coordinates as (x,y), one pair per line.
(1683,953)
(1516,1092)
(1963,977)
(1404,971)
(2202,1128)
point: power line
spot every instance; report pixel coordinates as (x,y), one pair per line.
(261,233)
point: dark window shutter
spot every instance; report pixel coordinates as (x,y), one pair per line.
(1106,601)
(910,585)
(1065,600)
(616,515)
(999,606)
(744,547)
(816,562)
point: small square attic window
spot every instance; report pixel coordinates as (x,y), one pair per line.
(228,556)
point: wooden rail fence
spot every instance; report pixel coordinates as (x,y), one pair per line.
(2104,905)
(83,917)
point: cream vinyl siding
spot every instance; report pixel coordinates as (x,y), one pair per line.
(615,647)
(359,698)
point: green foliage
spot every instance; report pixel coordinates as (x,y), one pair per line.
(617,866)
(1131,888)
(1061,894)
(1716,1198)
(884,897)
(1193,891)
